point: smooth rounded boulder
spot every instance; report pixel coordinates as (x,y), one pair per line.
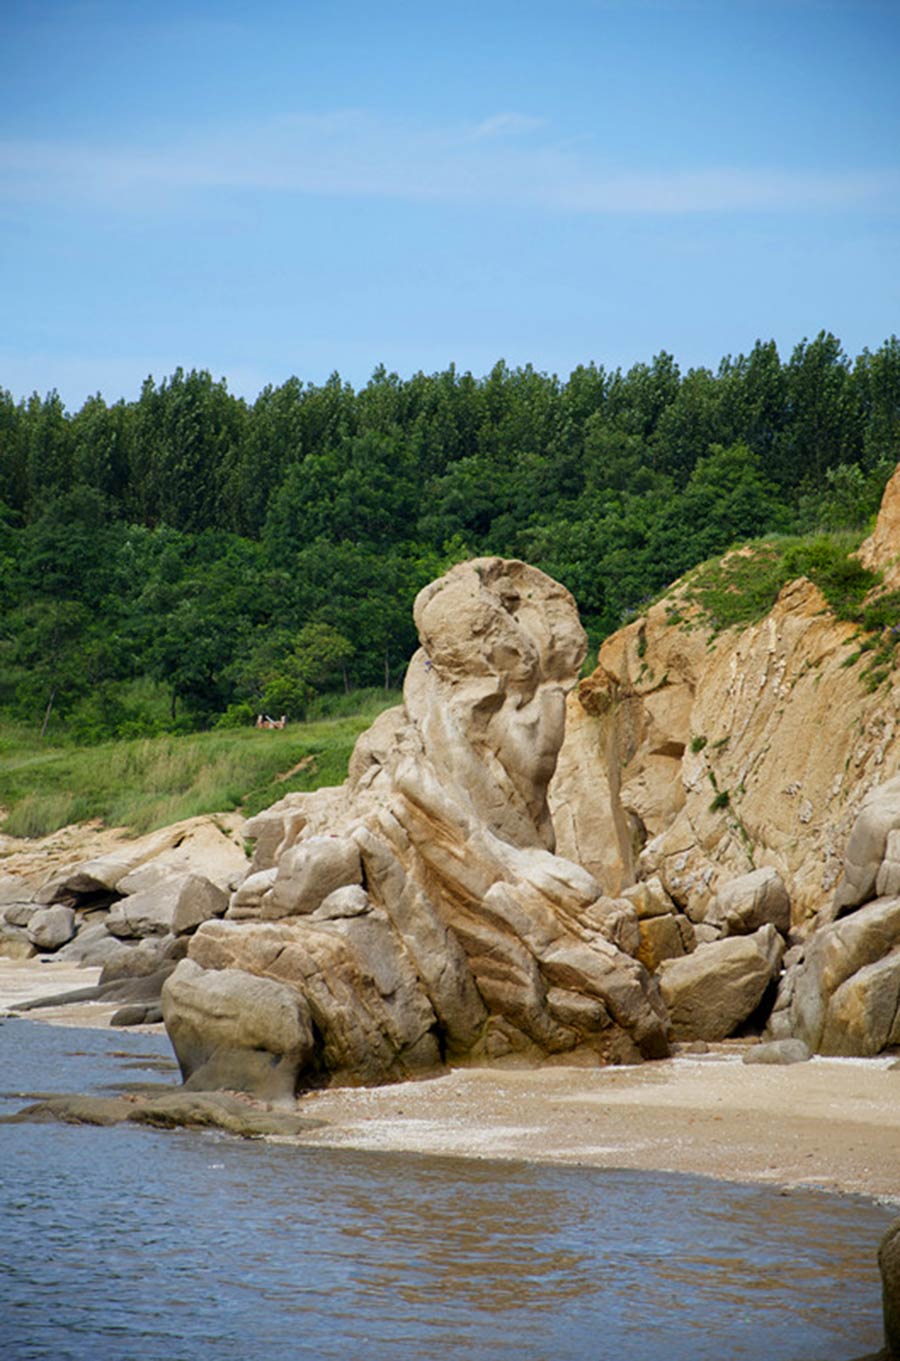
(234,1031)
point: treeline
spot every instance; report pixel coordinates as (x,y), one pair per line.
(243,556)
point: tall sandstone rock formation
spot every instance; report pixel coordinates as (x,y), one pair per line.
(419,912)
(695,760)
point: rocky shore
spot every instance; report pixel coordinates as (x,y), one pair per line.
(830,1123)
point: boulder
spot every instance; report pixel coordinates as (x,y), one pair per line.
(137,1013)
(711,992)
(177,904)
(18,913)
(817,996)
(140,958)
(649,898)
(14,943)
(778,1051)
(94,947)
(50,927)
(308,873)
(203,845)
(664,937)
(750,901)
(863,1014)
(887,882)
(371,1013)
(235,1031)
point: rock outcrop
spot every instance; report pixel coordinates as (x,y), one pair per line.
(713,849)
(129,911)
(419,912)
(750,775)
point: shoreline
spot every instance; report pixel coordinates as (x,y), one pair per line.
(829,1124)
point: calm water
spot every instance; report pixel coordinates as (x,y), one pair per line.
(136,1245)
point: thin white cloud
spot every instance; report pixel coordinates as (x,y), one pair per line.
(353,154)
(506,125)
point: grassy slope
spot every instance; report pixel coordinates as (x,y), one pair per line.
(151,782)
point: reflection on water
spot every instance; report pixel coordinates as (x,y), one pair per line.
(133,1243)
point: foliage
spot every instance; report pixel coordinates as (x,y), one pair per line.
(742,587)
(168,564)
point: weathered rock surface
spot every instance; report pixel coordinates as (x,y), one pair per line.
(754,777)
(199,846)
(174,905)
(419,912)
(778,1051)
(235,1031)
(752,900)
(168,1110)
(711,992)
(50,927)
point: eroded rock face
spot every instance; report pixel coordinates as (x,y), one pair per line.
(419,912)
(753,776)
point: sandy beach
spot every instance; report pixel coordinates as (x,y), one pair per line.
(829,1123)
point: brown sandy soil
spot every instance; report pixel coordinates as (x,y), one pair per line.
(831,1123)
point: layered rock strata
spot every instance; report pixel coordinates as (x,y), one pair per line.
(419,913)
(749,775)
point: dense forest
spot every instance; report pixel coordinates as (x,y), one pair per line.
(191,558)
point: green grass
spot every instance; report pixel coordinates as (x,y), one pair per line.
(150,782)
(741,587)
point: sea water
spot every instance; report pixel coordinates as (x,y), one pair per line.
(133,1244)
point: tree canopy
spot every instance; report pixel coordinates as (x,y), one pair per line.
(244,554)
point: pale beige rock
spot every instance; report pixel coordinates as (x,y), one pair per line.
(831,957)
(881,551)
(177,904)
(14,942)
(307,873)
(233,1030)
(757,694)
(867,846)
(420,909)
(887,882)
(649,897)
(370,1011)
(704,759)
(863,1014)
(618,921)
(710,992)
(778,1052)
(752,900)
(202,845)
(19,914)
(50,927)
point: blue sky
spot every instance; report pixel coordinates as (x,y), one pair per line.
(274,189)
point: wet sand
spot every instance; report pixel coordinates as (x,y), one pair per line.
(830,1123)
